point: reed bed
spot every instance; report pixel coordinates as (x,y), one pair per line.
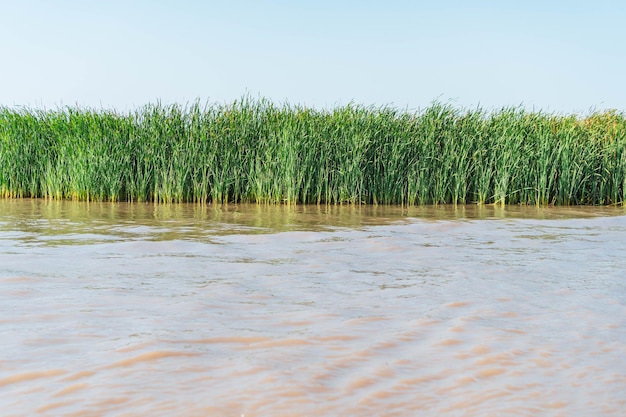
(255,151)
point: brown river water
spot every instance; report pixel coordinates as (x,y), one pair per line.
(182,310)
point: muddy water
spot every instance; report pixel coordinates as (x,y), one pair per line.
(136,310)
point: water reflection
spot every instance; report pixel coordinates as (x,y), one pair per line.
(140,309)
(87,223)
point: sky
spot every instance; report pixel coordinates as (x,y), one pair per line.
(559,57)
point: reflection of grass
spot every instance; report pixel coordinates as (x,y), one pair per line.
(254,151)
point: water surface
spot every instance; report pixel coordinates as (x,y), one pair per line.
(137,309)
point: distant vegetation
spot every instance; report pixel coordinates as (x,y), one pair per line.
(255,151)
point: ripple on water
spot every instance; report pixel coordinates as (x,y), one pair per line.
(309,311)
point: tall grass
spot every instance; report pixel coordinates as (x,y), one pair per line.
(255,151)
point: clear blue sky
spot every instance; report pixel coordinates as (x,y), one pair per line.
(559,56)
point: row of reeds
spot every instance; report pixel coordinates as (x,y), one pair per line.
(255,151)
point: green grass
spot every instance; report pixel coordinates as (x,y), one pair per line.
(255,151)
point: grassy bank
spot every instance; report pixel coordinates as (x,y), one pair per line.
(255,151)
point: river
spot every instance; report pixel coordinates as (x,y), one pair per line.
(116,309)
